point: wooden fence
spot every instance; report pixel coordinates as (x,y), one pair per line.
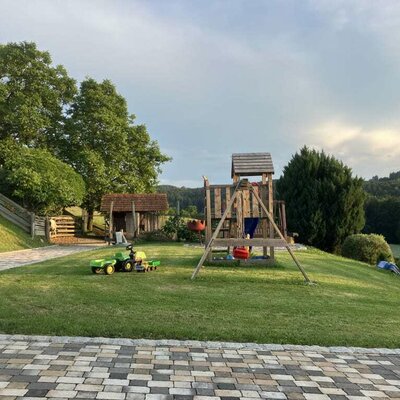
(65,225)
(40,227)
(35,225)
(17,214)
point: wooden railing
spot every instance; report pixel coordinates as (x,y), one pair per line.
(221,194)
(17,214)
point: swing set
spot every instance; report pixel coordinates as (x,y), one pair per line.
(241,215)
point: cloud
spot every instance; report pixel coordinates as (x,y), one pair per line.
(364,150)
(213,78)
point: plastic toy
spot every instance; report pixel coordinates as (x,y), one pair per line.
(389,266)
(136,260)
(103,265)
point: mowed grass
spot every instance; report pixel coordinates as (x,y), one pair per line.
(14,238)
(353,304)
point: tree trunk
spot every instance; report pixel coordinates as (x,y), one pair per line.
(90,220)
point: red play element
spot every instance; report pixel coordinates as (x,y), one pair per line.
(196,225)
(241,253)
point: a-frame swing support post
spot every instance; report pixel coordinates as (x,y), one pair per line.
(272,222)
(215,234)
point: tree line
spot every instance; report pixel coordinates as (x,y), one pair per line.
(382,207)
(65,144)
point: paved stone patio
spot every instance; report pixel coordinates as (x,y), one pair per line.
(84,368)
(12,259)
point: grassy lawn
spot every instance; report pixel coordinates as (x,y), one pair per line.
(353,303)
(14,238)
(396,250)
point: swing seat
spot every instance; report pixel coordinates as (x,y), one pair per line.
(241,253)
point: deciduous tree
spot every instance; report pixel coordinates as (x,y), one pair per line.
(104,145)
(33,94)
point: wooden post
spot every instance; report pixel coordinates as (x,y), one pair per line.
(283,213)
(84,220)
(215,234)
(133,219)
(282,237)
(110,228)
(264,222)
(208,213)
(271,212)
(32,225)
(47,228)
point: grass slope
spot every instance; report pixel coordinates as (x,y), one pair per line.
(14,238)
(353,304)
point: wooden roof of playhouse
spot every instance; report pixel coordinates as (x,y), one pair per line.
(146,202)
(251,164)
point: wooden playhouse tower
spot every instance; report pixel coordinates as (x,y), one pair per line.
(231,210)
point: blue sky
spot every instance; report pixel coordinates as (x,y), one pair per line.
(210,78)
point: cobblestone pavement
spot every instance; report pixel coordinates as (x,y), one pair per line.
(83,368)
(12,259)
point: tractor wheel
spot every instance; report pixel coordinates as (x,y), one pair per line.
(128,266)
(109,269)
(96,270)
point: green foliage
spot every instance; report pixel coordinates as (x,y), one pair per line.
(176,228)
(40,181)
(186,196)
(382,208)
(33,94)
(367,248)
(105,147)
(383,217)
(154,236)
(324,202)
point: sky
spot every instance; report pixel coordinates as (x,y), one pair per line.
(212,78)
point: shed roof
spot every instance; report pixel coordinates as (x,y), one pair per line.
(146,202)
(251,164)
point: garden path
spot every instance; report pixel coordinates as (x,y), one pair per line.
(77,368)
(12,259)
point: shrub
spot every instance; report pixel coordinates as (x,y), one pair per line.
(176,228)
(155,236)
(40,181)
(367,248)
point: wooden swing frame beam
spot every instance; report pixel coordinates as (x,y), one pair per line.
(244,184)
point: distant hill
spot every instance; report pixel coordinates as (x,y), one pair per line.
(185,196)
(384,187)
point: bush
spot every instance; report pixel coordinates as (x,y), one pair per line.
(155,236)
(40,181)
(176,228)
(367,248)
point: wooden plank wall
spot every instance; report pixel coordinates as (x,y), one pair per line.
(16,214)
(221,194)
(40,226)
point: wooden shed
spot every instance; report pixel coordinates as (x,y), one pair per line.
(134,213)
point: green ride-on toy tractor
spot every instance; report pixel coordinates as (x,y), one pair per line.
(136,260)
